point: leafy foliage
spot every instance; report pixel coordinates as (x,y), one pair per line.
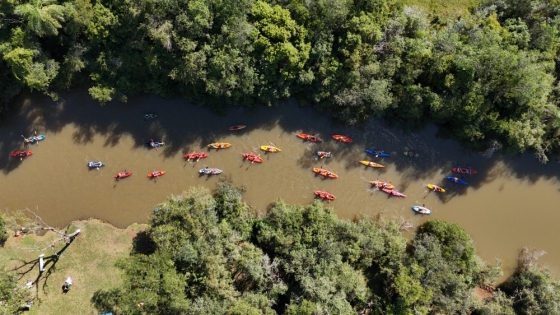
(489,77)
(212,256)
(3,232)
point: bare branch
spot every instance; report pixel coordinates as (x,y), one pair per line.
(529,256)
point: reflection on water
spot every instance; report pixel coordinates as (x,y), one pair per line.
(509,204)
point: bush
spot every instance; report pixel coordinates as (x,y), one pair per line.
(3,232)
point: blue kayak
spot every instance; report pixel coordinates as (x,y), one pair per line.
(32,139)
(378,153)
(456,180)
(154,144)
(95,164)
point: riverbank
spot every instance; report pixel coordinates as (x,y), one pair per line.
(89,260)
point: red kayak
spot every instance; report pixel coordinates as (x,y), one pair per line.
(393,192)
(21,153)
(123,174)
(253,157)
(342,138)
(156,174)
(195,156)
(324,195)
(464,170)
(308,137)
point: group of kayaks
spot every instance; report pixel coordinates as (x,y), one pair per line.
(21,154)
(385,187)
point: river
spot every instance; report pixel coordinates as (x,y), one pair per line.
(511,203)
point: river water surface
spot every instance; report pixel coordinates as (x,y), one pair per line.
(511,203)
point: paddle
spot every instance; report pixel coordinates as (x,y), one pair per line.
(153,144)
(36,138)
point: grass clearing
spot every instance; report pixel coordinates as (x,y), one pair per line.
(444,8)
(89,260)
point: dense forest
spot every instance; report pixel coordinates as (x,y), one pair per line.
(489,77)
(209,254)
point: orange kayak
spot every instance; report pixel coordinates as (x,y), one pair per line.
(309,137)
(342,138)
(219,145)
(324,173)
(156,174)
(381,185)
(324,195)
(253,157)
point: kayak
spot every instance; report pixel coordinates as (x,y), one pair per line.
(151,115)
(324,195)
(210,171)
(195,156)
(381,185)
(269,148)
(21,153)
(95,164)
(372,164)
(237,127)
(411,154)
(393,192)
(378,153)
(154,144)
(421,210)
(156,174)
(32,139)
(252,157)
(342,138)
(456,180)
(309,137)
(323,154)
(123,174)
(324,173)
(219,145)
(435,188)
(464,170)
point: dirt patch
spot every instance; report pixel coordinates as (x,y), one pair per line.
(482,294)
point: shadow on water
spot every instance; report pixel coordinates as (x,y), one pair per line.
(186,128)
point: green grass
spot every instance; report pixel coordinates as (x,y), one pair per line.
(444,8)
(89,261)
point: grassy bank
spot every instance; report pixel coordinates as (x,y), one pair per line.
(89,260)
(444,8)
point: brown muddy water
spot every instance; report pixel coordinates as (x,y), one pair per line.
(511,203)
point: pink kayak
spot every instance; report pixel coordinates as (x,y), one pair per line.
(393,192)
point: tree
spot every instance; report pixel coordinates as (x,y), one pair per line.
(43,16)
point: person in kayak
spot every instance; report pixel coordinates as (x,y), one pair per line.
(456,179)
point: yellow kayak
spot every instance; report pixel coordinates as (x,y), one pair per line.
(269,148)
(435,188)
(219,145)
(372,164)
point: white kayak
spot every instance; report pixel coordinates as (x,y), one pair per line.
(421,210)
(210,171)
